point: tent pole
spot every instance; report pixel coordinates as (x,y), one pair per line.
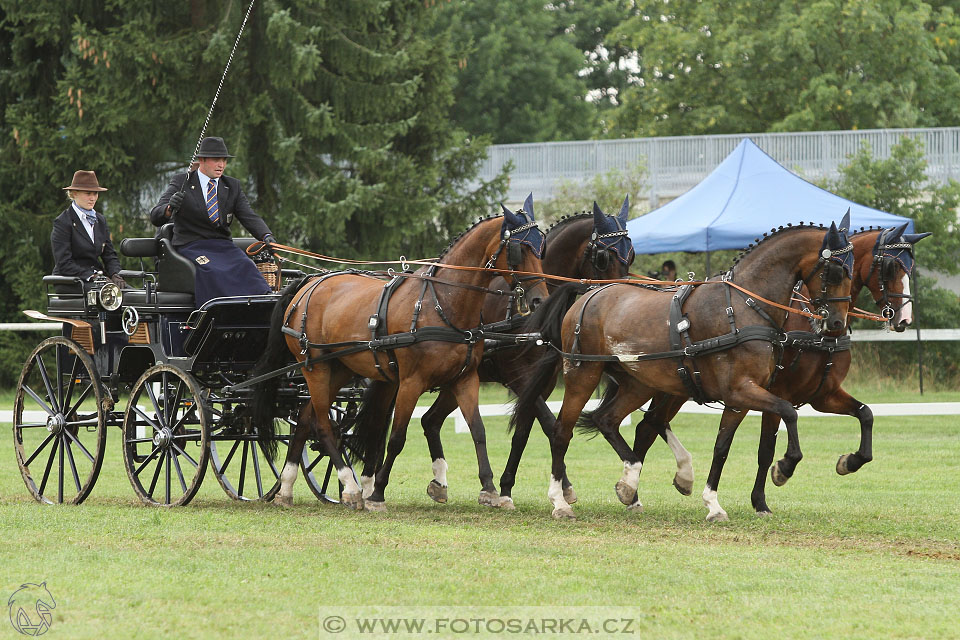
(916,323)
(707,274)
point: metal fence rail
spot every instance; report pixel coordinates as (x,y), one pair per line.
(675,164)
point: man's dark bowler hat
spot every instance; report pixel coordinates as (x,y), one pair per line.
(213,148)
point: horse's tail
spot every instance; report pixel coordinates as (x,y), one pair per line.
(548,321)
(588,421)
(275,355)
(372,422)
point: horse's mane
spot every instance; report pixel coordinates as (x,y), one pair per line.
(774,233)
(564,220)
(850,234)
(463,233)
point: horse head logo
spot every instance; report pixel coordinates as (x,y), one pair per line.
(30,609)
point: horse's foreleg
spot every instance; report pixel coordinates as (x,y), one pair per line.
(518,443)
(432,422)
(841,402)
(752,396)
(467,390)
(407,396)
(769,425)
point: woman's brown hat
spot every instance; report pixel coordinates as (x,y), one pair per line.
(85,181)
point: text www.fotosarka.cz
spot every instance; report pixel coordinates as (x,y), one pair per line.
(444,621)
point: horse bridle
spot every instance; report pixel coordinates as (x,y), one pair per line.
(598,251)
(831,267)
(885,264)
(514,258)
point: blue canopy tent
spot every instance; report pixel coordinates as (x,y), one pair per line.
(747,194)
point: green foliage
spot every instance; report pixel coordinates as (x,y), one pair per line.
(519,78)
(606,189)
(749,65)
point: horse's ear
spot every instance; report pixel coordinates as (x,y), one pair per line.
(833,236)
(845,223)
(914,238)
(510,219)
(505,210)
(528,206)
(598,216)
(898,231)
(624,211)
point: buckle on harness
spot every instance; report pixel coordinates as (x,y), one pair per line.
(683,325)
(373,322)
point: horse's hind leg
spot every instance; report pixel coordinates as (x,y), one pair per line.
(769,425)
(306,422)
(518,443)
(729,422)
(432,422)
(467,390)
(409,391)
(842,403)
(655,422)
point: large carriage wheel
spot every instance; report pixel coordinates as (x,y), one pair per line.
(166,437)
(343,414)
(241,464)
(59,426)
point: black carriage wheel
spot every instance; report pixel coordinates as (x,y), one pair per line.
(241,464)
(318,469)
(166,437)
(59,422)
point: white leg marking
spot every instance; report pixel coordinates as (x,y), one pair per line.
(440,471)
(716,512)
(555,493)
(631,474)
(367,483)
(684,459)
(287,477)
(345,476)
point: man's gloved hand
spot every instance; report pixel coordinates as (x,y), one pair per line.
(269,239)
(117,280)
(175,201)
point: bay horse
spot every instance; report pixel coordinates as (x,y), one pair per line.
(415,333)
(593,246)
(719,340)
(814,366)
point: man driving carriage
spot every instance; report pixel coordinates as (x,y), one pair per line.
(202,204)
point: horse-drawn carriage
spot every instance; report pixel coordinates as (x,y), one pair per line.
(146,361)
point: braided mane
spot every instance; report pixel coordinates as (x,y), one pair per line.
(463,233)
(772,234)
(583,215)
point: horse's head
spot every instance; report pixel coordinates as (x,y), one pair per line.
(888,277)
(520,248)
(609,251)
(830,278)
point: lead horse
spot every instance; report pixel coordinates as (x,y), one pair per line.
(721,340)
(593,246)
(416,332)
(814,367)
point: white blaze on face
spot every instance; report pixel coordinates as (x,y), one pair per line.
(905,315)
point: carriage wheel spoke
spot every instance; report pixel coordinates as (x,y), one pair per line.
(43,405)
(175,405)
(83,396)
(166,486)
(273,467)
(156,405)
(183,484)
(243,466)
(185,455)
(256,471)
(58,359)
(313,464)
(31,425)
(186,414)
(79,444)
(71,382)
(156,474)
(46,382)
(147,419)
(60,446)
(143,465)
(46,471)
(226,462)
(43,444)
(73,466)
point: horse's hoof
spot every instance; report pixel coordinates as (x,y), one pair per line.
(636,507)
(766,513)
(625,493)
(370,505)
(352,501)
(685,487)
(778,478)
(842,468)
(719,516)
(282,501)
(565,513)
(489,498)
(569,495)
(437,492)
(506,502)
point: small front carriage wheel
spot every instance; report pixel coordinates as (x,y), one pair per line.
(166,437)
(59,422)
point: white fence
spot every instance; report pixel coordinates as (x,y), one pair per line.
(675,164)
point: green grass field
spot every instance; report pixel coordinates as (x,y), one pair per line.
(873,554)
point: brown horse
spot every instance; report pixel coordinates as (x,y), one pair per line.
(589,246)
(814,366)
(716,339)
(417,332)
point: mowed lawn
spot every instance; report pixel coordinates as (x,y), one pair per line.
(875,554)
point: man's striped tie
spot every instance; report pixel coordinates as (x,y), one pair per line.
(213,210)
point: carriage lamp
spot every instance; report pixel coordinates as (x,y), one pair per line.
(110,297)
